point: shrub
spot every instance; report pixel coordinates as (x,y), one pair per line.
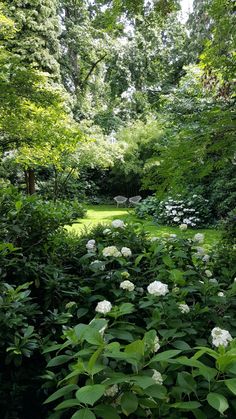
(147,207)
(144,313)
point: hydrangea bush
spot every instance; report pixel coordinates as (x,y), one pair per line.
(153,333)
(192,210)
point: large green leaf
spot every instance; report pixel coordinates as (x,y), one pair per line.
(231,384)
(156,391)
(61,392)
(164,356)
(186,382)
(218,402)
(106,412)
(83,414)
(186,405)
(90,394)
(59,360)
(67,403)
(129,403)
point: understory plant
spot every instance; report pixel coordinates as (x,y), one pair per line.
(155,336)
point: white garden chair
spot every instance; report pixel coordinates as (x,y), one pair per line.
(134,200)
(120,200)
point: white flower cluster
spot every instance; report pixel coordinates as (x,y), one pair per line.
(199,238)
(220,337)
(118,224)
(157,377)
(156,343)
(183,227)
(111,391)
(208,273)
(127,285)
(111,251)
(91,246)
(126,252)
(106,231)
(103,307)
(184,308)
(98,265)
(157,288)
(201,254)
(125,274)
(177,211)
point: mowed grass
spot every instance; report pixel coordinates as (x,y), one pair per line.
(104,214)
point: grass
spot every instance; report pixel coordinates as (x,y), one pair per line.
(104,214)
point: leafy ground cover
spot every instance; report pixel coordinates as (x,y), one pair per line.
(104,214)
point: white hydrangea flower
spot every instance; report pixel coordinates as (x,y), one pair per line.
(118,224)
(156,344)
(234,279)
(91,245)
(208,273)
(183,227)
(111,251)
(220,294)
(206,258)
(157,288)
(127,285)
(106,231)
(199,237)
(103,307)
(125,274)
(111,391)
(213,281)
(220,337)
(126,252)
(184,308)
(200,251)
(173,236)
(157,377)
(97,264)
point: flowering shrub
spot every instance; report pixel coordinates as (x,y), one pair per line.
(155,338)
(192,210)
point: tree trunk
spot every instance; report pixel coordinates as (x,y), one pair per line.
(31,182)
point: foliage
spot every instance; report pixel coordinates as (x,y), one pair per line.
(109,358)
(147,206)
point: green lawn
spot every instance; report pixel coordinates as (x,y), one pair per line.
(104,214)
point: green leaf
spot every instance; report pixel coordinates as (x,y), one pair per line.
(93,360)
(93,336)
(218,402)
(142,381)
(83,414)
(177,276)
(168,261)
(59,360)
(180,344)
(61,392)
(231,384)
(136,349)
(186,382)
(156,391)
(66,404)
(164,356)
(129,403)
(106,412)
(186,405)
(90,394)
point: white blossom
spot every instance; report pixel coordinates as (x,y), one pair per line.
(206,258)
(173,236)
(97,264)
(213,281)
(91,245)
(106,231)
(111,251)
(199,237)
(184,308)
(118,224)
(127,285)
(183,227)
(208,273)
(156,344)
(220,294)
(103,307)
(220,337)
(153,239)
(126,252)
(125,274)
(200,251)
(112,391)
(157,288)
(157,377)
